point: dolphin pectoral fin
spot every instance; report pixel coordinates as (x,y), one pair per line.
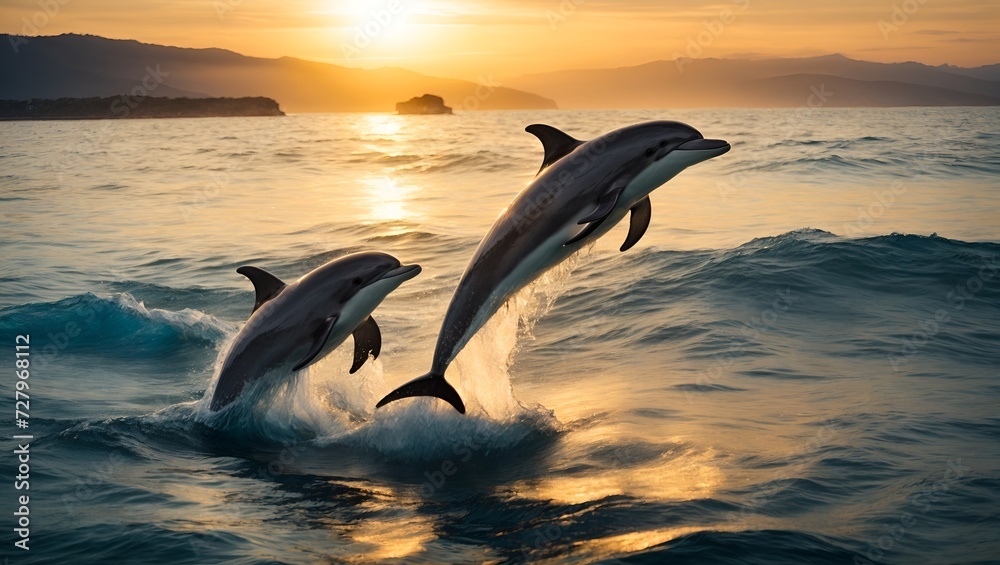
(604,206)
(367,341)
(591,227)
(638,222)
(319,340)
(427,385)
(555,143)
(265,284)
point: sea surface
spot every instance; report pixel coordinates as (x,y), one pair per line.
(799,362)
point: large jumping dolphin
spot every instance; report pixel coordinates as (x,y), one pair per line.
(580,192)
(295,325)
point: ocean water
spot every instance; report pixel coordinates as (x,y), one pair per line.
(797,364)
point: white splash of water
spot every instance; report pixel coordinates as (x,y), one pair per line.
(326,403)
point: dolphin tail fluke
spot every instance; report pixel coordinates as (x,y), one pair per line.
(428,385)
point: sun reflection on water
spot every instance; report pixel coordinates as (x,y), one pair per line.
(670,477)
(388,199)
(381,125)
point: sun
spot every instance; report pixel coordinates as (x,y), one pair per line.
(378,29)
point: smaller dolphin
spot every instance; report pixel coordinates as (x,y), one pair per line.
(294,325)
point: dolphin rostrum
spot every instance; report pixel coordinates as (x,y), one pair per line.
(582,190)
(295,325)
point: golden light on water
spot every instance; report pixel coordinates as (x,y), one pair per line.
(388,198)
(394,538)
(632,542)
(671,477)
(380,125)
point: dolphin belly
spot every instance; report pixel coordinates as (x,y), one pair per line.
(482,294)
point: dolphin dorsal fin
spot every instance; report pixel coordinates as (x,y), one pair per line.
(555,142)
(267,285)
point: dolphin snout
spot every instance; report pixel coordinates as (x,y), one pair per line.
(705,145)
(405,271)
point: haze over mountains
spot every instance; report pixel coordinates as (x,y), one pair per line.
(73,65)
(832,80)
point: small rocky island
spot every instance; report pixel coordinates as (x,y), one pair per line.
(426,104)
(136,107)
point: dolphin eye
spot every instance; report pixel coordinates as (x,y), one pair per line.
(649,152)
(663,143)
(357,281)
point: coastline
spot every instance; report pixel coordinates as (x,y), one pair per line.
(136,107)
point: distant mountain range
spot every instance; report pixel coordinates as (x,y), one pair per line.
(74,65)
(832,80)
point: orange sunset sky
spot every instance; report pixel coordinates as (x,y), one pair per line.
(505,38)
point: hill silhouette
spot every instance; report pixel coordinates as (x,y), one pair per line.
(83,66)
(832,80)
(72,65)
